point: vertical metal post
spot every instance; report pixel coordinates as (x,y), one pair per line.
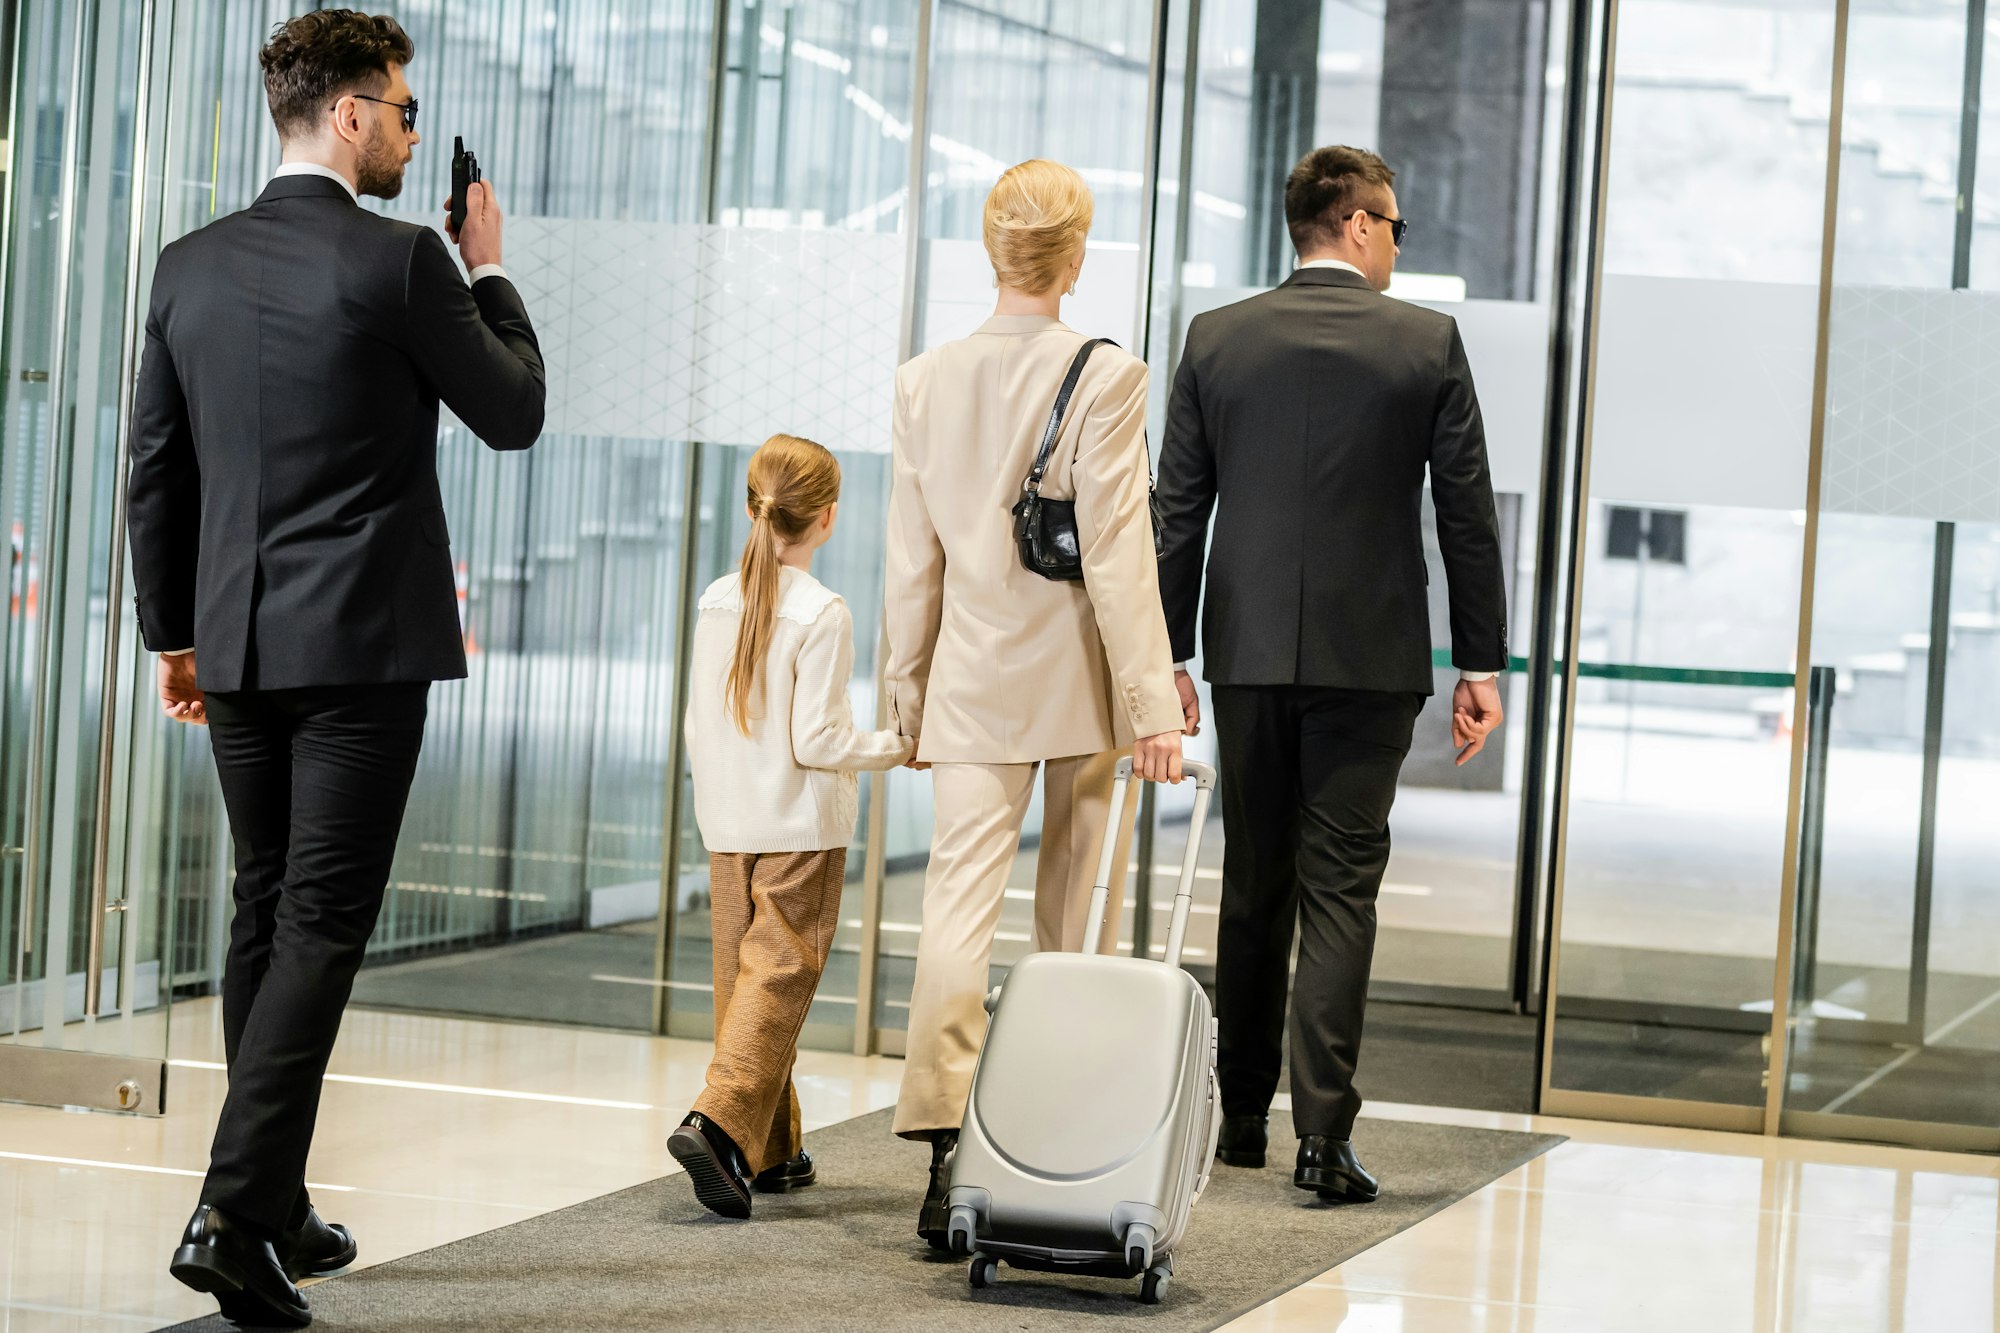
(916,205)
(1784,980)
(1149,173)
(1578,533)
(875,872)
(1549,505)
(1968,143)
(1156,74)
(114,618)
(1184,182)
(688,573)
(1938,661)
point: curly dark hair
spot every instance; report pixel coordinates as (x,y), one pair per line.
(314,60)
(1326,188)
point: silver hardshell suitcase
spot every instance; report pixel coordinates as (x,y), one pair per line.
(1091,1126)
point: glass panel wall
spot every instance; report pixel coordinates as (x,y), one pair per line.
(661,251)
(816,130)
(1679,763)
(1897,986)
(713,231)
(1464,109)
(73,90)
(1067,80)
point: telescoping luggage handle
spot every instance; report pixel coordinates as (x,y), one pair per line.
(1100,896)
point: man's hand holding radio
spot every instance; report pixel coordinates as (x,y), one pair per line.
(478,240)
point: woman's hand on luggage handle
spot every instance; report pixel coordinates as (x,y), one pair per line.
(1158,758)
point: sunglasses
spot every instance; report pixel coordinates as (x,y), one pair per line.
(1398,227)
(409,109)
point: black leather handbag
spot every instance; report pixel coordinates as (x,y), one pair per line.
(1045,529)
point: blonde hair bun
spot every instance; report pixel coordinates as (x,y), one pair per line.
(1037,219)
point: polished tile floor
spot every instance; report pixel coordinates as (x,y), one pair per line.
(435,1128)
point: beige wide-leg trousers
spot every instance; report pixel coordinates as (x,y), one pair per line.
(773,919)
(979,809)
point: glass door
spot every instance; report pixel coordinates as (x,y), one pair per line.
(86,967)
(1774,895)
(1677,754)
(1896,987)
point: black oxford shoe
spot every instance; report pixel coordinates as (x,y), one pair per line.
(315,1248)
(934,1221)
(222,1258)
(1243,1140)
(714,1163)
(785,1177)
(1329,1167)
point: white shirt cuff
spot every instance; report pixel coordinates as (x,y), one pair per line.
(486,271)
(1180,666)
(176,652)
(1477,675)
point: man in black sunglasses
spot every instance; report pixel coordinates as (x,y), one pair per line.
(294,574)
(1306,419)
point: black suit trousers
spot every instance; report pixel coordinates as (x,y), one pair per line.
(316,782)
(1308,777)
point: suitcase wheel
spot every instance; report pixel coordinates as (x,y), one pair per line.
(1153,1287)
(985,1271)
(1139,1247)
(964,1227)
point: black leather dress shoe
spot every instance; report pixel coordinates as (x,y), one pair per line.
(315,1248)
(1329,1167)
(1243,1140)
(224,1259)
(934,1222)
(715,1164)
(785,1177)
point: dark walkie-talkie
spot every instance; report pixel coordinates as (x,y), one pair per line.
(464,175)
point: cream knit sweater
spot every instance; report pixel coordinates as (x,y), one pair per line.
(789,785)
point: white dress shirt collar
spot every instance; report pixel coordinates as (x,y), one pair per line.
(1334,263)
(315,169)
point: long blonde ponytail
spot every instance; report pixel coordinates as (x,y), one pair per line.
(793,481)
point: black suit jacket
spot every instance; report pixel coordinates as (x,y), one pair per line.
(285,517)
(1304,418)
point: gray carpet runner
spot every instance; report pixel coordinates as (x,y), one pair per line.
(844,1254)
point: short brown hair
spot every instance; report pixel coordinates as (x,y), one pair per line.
(1326,188)
(316,59)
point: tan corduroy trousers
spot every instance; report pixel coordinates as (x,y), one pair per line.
(773,916)
(979,809)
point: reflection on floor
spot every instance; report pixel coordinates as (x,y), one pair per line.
(435,1128)
(1430,1055)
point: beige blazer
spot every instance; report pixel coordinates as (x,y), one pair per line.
(987,663)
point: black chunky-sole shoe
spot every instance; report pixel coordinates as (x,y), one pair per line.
(934,1219)
(718,1183)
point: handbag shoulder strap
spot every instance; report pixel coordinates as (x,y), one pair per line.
(1033,485)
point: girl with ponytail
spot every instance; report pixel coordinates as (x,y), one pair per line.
(775,750)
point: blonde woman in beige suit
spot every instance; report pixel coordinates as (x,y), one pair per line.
(999,672)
